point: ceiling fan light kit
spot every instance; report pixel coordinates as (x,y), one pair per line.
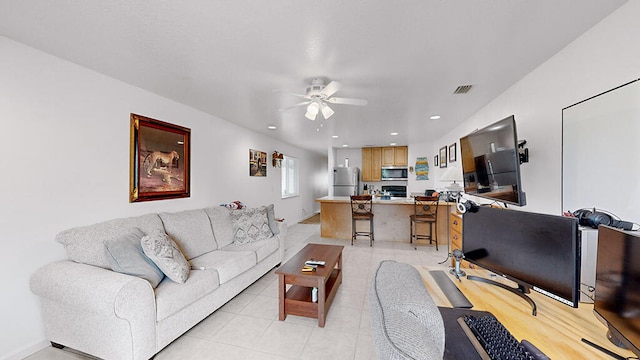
(318,95)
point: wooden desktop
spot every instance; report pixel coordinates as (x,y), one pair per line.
(557,329)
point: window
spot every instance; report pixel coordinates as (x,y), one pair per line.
(290,170)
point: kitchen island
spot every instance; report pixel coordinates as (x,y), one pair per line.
(390,221)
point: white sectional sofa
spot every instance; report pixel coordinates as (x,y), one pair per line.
(111,314)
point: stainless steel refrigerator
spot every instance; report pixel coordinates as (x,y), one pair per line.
(346,181)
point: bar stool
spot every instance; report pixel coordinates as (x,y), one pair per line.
(361,210)
(425,211)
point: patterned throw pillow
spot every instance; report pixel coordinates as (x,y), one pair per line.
(164,252)
(250,225)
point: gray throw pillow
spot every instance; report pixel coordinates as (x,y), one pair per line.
(125,256)
(164,252)
(250,225)
(271,217)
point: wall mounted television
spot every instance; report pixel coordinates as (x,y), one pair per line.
(536,251)
(491,163)
(617,294)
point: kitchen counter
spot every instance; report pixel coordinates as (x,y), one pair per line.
(390,221)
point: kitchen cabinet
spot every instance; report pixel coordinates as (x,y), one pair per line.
(455,237)
(394,156)
(371,164)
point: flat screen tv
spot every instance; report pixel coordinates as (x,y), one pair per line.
(536,251)
(617,294)
(491,163)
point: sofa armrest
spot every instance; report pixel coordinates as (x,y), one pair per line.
(98,311)
(282,226)
(93,288)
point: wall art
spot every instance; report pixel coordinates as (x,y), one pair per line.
(159,160)
(443,157)
(257,163)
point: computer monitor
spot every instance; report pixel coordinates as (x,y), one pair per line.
(617,293)
(537,251)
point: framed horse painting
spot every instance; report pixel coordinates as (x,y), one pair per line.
(159,162)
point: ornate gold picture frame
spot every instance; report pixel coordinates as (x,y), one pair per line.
(159,166)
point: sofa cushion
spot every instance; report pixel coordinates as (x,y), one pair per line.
(172,297)
(191,229)
(250,225)
(221,224)
(262,248)
(166,254)
(126,256)
(86,244)
(229,264)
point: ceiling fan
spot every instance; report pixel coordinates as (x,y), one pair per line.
(318,95)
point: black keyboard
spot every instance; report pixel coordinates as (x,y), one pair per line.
(495,341)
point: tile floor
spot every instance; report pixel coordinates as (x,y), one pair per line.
(247,327)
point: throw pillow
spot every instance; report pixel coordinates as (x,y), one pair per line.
(250,225)
(125,255)
(272,220)
(164,252)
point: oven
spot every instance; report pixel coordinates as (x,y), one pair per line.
(395,190)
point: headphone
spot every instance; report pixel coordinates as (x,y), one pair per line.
(593,218)
(467,206)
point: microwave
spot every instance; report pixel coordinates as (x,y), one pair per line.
(394,173)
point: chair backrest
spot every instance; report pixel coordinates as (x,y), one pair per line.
(426,206)
(361,204)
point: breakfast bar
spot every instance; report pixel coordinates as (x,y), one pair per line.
(390,221)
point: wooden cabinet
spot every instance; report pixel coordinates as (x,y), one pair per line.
(455,236)
(394,156)
(371,164)
(401,155)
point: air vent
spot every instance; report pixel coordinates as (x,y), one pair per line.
(462,89)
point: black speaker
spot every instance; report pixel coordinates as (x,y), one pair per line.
(593,218)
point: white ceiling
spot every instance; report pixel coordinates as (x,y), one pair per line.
(230,58)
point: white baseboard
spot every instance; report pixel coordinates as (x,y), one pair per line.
(29,350)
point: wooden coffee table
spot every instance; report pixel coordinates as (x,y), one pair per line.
(297,300)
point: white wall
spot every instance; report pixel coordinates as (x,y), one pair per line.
(65,163)
(604,57)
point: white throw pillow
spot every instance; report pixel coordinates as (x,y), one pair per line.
(164,252)
(250,225)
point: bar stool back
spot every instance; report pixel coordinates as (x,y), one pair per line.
(361,210)
(425,211)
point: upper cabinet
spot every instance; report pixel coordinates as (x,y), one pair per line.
(374,158)
(394,156)
(371,164)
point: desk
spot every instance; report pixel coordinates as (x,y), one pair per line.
(556,330)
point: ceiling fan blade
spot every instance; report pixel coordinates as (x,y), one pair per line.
(296,105)
(300,95)
(347,101)
(326,110)
(330,89)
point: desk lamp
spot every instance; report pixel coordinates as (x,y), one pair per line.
(453,174)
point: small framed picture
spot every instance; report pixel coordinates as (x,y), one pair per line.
(435,160)
(257,163)
(452,152)
(443,157)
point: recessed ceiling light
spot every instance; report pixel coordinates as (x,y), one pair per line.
(334,136)
(394,134)
(392,144)
(435,117)
(271,127)
(345,145)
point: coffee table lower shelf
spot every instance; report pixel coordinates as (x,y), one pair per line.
(298,299)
